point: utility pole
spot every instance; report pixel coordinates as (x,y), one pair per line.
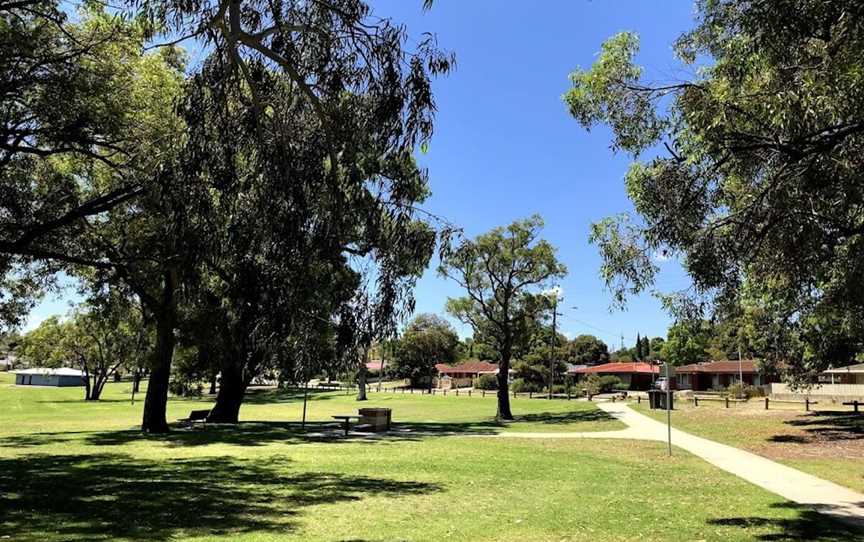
(553,342)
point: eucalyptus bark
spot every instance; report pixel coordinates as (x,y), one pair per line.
(504,412)
(232,390)
(156,400)
(361,383)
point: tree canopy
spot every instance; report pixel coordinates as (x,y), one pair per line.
(501,272)
(759,188)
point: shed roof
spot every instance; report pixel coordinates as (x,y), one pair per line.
(858,368)
(61,371)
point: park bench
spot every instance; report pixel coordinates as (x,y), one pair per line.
(195,416)
(346,420)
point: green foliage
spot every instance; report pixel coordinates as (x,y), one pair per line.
(607,383)
(520,385)
(500,270)
(427,340)
(758,192)
(486,382)
(587,350)
(687,342)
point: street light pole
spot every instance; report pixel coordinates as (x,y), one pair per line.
(553,343)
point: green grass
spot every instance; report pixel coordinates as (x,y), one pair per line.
(825,443)
(75,471)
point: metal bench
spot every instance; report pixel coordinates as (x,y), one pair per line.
(196,416)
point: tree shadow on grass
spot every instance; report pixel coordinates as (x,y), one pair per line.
(111,496)
(262,433)
(830,425)
(807,524)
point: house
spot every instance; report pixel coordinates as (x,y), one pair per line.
(636,375)
(462,375)
(851,374)
(375,366)
(718,374)
(839,384)
(62,377)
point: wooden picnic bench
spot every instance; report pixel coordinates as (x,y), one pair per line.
(346,420)
(196,416)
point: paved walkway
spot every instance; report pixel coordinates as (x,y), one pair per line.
(792,484)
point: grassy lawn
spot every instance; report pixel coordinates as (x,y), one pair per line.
(828,444)
(75,471)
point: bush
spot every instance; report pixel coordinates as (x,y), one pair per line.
(486,382)
(621,386)
(521,386)
(739,390)
(609,383)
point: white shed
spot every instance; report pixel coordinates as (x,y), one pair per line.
(62,377)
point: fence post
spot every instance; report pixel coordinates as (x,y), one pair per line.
(445,391)
(469,393)
(568,394)
(530,394)
(638,399)
(412,391)
(484,393)
(514,394)
(457,392)
(766,403)
(727,402)
(695,401)
(807,404)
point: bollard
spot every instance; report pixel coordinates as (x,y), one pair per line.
(484,393)
(638,399)
(514,394)
(695,401)
(568,394)
(806,404)
(457,392)
(727,402)
(766,403)
(530,395)
(469,393)
(445,391)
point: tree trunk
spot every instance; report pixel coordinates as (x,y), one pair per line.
(88,393)
(232,390)
(156,400)
(503,386)
(136,380)
(213,384)
(361,383)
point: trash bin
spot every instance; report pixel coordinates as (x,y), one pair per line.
(375,419)
(657,400)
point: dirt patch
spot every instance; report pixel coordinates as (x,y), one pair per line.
(816,435)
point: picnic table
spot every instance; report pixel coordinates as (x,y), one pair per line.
(346,420)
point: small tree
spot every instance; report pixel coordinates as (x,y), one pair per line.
(427,340)
(498,270)
(587,350)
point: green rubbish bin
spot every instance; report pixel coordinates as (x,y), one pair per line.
(657,400)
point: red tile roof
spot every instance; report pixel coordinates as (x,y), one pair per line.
(375,365)
(719,367)
(619,368)
(467,368)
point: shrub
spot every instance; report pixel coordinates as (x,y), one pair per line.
(486,382)
(521,386)
(621,386)
(739,390)
(609,383)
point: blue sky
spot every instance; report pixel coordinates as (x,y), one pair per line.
(505,147)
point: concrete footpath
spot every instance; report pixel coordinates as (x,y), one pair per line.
(792,484)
